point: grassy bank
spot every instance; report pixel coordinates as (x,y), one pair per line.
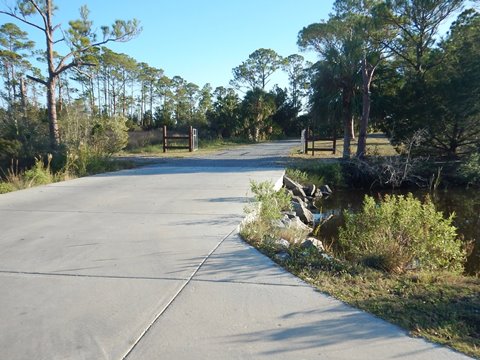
(441,307)
(42,173)
(434,300)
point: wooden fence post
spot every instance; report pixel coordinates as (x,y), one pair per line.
(190,139)
(307,138)
(164,138)
(313,141)
(334,141)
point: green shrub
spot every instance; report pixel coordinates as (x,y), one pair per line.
(6,187)
(470,169)
(401,232)
(271,202)
(267,208)
(297,175)
(109,135)
(318,174)
(39,174)
(332,173)
(9,149)
(85,161)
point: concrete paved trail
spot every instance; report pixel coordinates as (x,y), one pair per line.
(147,264)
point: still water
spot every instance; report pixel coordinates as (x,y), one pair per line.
(464,202)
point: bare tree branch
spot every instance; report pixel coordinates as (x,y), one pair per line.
(22,19)
(43,82)
(40,12)
(61,66)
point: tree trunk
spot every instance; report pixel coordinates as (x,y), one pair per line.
(352,128)
(99,94)
(124,95)
(347,121)
(23,96)
(52,113)
(92,95)
(52,80)
(60,95)
(366,101)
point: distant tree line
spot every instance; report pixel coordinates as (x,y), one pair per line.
(381,65)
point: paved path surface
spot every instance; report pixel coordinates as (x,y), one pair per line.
(146,264)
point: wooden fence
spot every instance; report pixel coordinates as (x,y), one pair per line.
(308,137)
(191,140)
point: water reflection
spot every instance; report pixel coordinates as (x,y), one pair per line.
(465,204)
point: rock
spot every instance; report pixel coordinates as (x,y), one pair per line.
(290,214)
(318,194)
(282,243)
(297,199)
(311,241)
(297,223)
(303,213)
(327,257)
(295,187)
(310,203)
(289,183)
(310,190)
(281,224)
(299,192)
(306,244)
(282,256)
(325,190)
(285,221)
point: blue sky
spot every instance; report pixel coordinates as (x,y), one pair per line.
(201,40)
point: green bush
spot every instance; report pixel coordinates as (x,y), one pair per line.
(271,202)
(267,208)
(400,232)
(109,135)
(6,187)
(297,175)
(39,174)
(470,169)
(318,174)
(85,161)
(90,142)
(9,149)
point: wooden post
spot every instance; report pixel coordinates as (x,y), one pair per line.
(334,141)
(164,138)
(190,139)
(313,141)
(307,137)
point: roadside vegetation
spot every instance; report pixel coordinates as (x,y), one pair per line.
(397,258)
(395,74)
(88,148)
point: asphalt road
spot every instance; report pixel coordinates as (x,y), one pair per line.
(147,264)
